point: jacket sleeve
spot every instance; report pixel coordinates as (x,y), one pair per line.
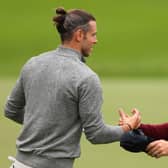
(90,102)
(14,108)
(157,131)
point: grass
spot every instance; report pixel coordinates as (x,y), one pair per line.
(132,35)
(149,96)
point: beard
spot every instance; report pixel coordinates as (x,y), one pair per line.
(85,52)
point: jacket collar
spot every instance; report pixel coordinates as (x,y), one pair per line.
(70,52)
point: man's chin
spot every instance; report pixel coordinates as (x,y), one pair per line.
(86,54)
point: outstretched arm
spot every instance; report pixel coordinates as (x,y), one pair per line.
(157,131)
(95,129)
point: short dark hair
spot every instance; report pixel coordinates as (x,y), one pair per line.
(67,22)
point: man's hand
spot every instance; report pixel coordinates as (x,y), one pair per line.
(158,148)
(131,122)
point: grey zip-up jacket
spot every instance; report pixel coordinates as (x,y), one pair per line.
(56,97)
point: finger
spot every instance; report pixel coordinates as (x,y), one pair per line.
(159,154)
(154,150)
(151,145)
(135,111)
(152,153)
(122,114)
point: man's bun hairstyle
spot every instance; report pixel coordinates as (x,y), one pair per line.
(67,22)
(59,19)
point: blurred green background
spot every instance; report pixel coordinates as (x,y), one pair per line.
(130,58)
(132,35)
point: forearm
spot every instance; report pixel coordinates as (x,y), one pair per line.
(14,108)
(105,134)
(157,131)
(96,131)
(13,112)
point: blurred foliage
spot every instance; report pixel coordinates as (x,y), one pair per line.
(132,35)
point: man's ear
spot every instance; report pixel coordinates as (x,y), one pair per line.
(79,34)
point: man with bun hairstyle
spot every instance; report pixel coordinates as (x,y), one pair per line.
(57,97)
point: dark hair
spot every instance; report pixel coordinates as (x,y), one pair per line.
(67,22)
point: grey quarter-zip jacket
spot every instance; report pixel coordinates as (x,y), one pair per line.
(56,98)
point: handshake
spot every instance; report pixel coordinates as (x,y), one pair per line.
(129,122)
(133,140)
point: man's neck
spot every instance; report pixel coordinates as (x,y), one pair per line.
(72,46)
